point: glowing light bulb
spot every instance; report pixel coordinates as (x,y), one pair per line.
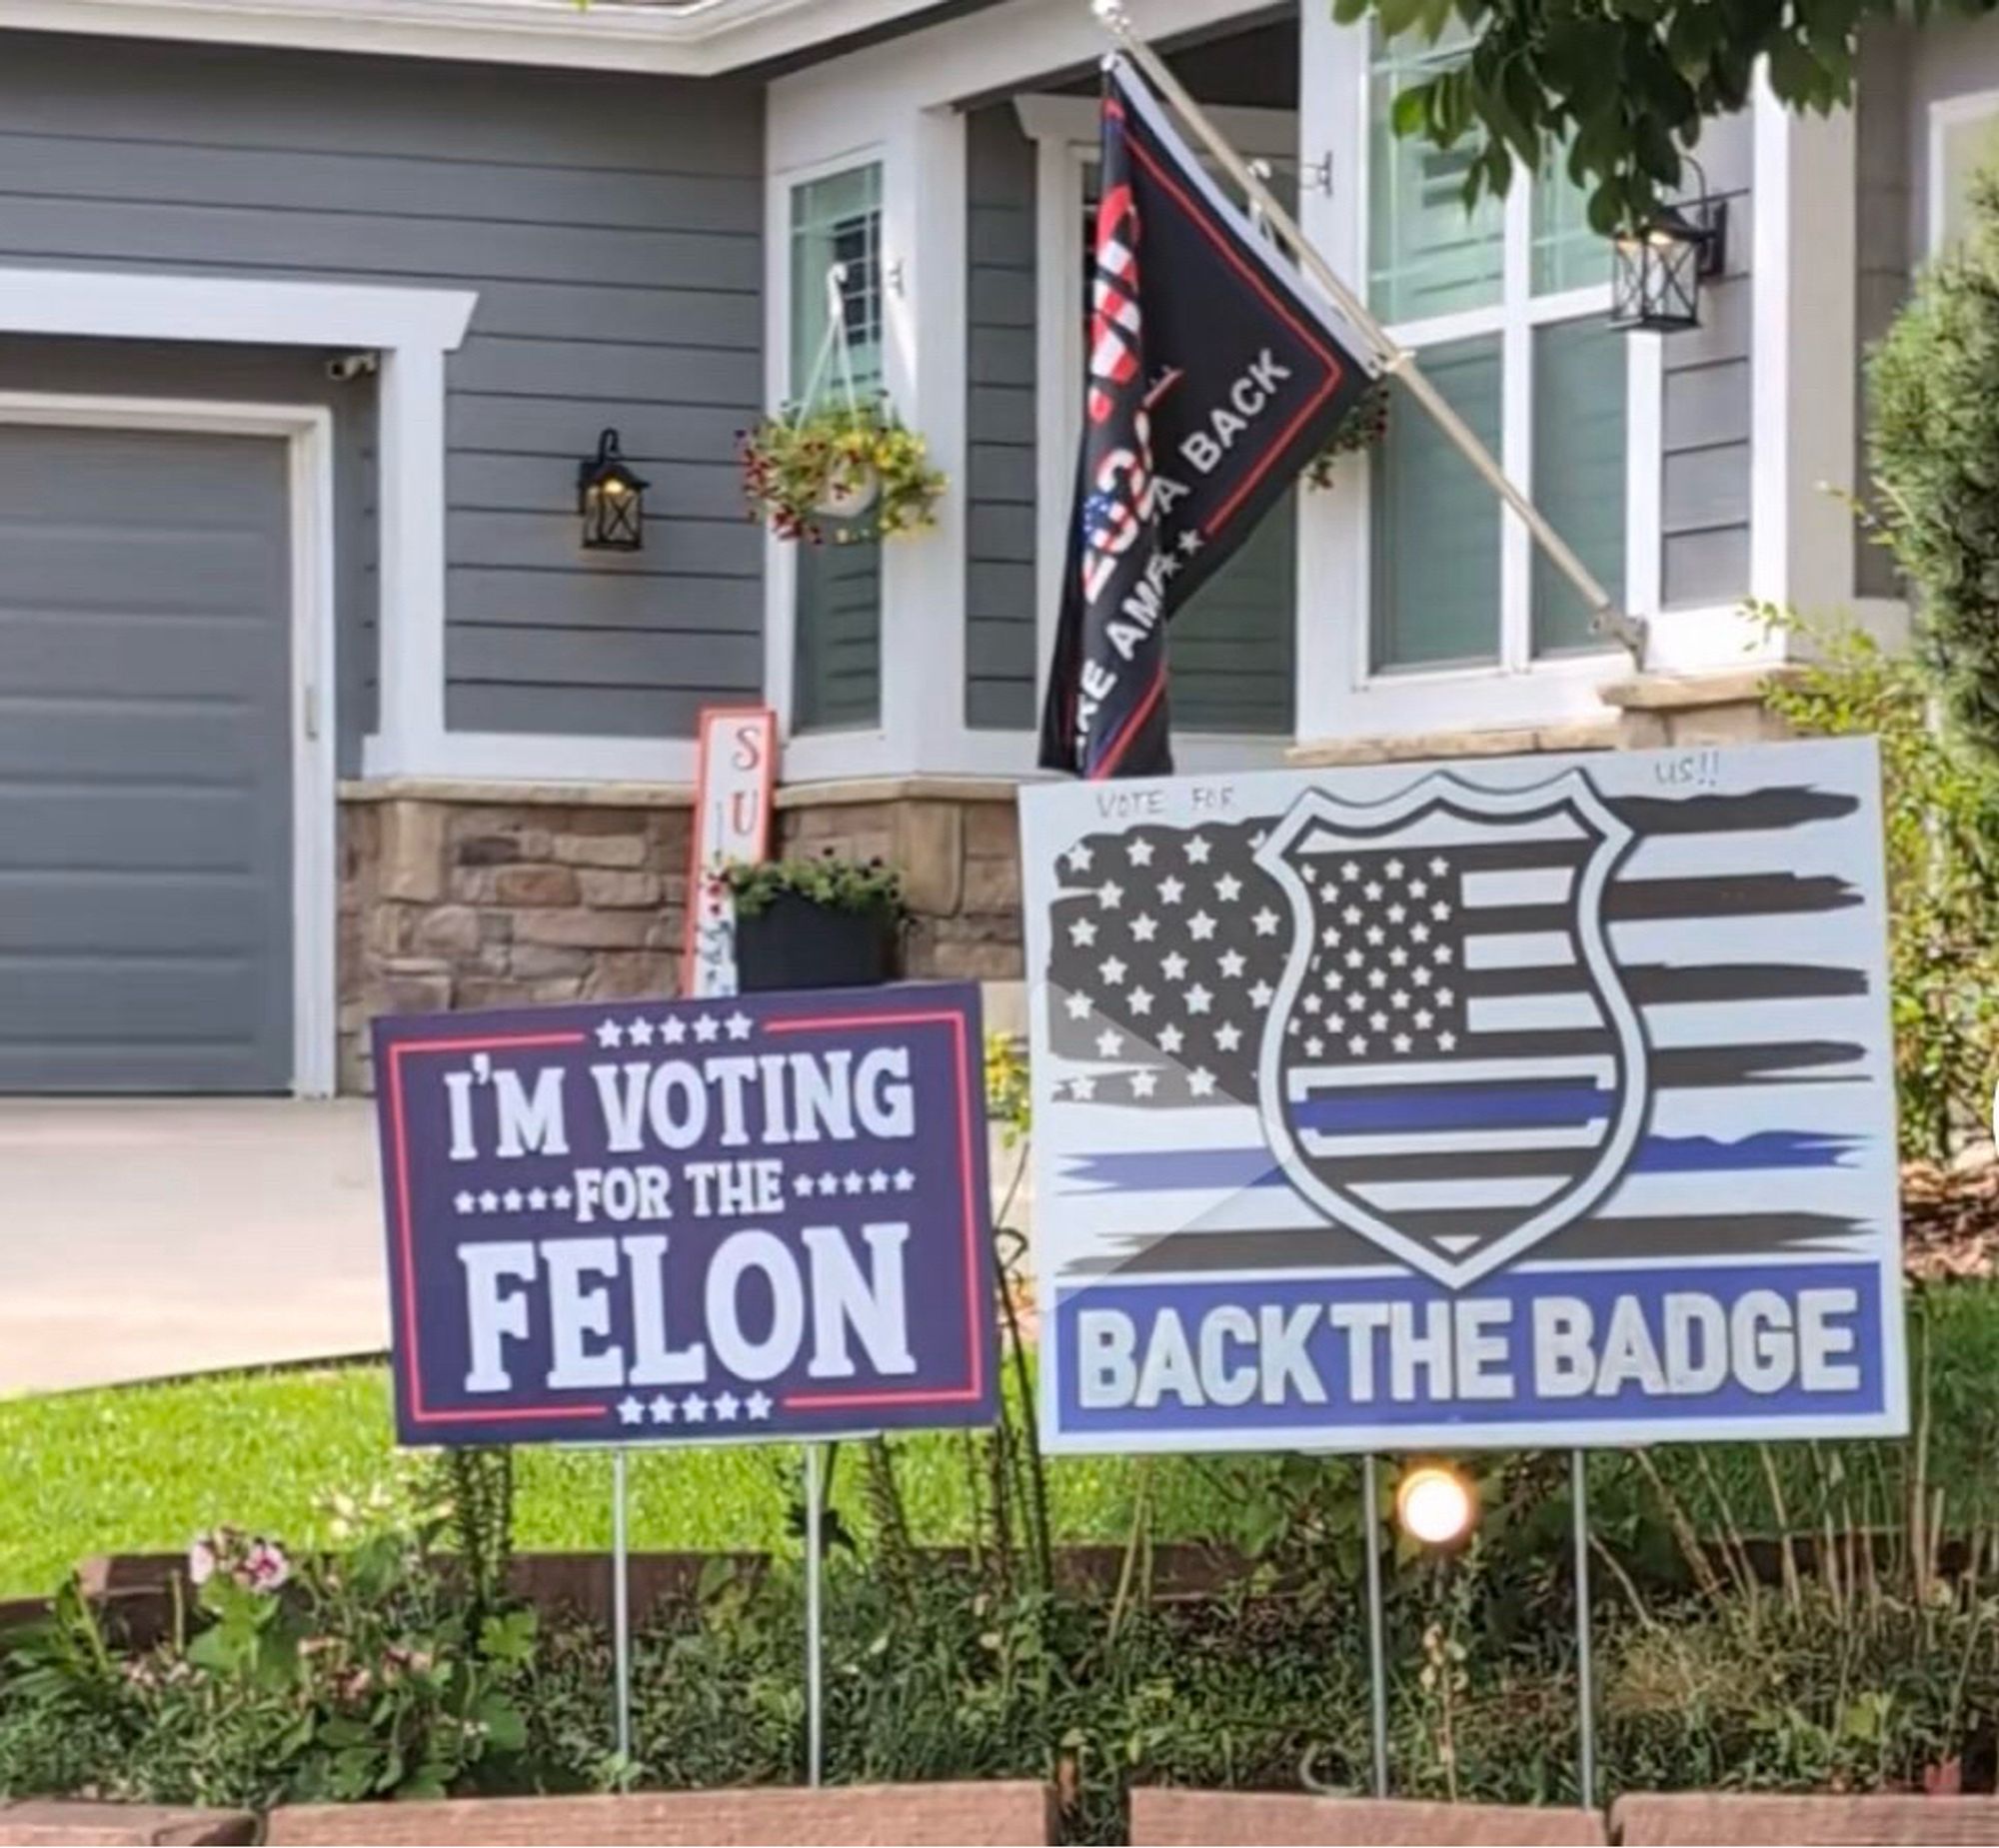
(1435,1505)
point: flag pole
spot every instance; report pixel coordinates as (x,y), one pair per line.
(1604,613)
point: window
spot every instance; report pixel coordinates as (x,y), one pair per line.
(836,610)
(1964,139)
(1505,307)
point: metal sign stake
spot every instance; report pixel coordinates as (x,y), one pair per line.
(1585,1690)
(621,1605)
(815,1717)
(1377,1646)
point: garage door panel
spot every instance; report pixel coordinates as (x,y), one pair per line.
(115,1001)
(107,478)
(131,912)
(178,573)
(131,825)
(135,1068)
(57,739)
(67,653)
(145,768)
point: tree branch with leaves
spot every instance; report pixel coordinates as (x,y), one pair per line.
(1616,89)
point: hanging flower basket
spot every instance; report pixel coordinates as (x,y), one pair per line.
(1363,425)
(845,472)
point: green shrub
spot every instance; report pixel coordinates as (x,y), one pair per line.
(1933,447)
(1940,802)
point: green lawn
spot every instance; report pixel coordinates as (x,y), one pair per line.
(142,1468)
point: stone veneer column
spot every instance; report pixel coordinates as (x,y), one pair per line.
(458,897)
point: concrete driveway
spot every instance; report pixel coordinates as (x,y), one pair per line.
(148,1237)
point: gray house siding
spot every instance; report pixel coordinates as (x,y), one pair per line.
(999,421)
(610,226)
(1704,465)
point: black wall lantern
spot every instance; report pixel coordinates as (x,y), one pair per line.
(1656,271)
(611,499)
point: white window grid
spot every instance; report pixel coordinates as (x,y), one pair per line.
(1515,318)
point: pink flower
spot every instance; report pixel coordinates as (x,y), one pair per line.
(201,1560)
(265,1567)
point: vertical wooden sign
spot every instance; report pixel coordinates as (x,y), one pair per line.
(736,771)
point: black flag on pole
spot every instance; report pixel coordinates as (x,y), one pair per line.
(1214,377)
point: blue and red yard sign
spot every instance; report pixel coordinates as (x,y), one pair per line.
(755,1216)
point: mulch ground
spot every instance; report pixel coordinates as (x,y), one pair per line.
(1950,1217)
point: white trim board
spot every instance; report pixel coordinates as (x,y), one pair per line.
(412,328)
(701,38)
(307,430)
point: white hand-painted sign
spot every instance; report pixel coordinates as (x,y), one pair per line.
(732,821)
(1528,1101)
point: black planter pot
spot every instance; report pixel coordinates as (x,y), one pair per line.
(794,944)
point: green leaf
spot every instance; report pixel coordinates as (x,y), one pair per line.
(505,1729)
(1409,114)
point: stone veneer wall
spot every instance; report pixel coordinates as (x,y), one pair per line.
(454,897)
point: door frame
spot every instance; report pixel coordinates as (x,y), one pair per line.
(307,430)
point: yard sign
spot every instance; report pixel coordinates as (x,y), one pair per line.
(667,1221)
(1539,1101)
(736,768)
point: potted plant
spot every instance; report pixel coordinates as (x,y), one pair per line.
(815,924)
(849,471)
(1363,425)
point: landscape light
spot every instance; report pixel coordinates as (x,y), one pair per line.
(1435,1504)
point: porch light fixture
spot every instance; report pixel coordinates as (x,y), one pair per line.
(611,500)
(1435,1504)
(1656,270)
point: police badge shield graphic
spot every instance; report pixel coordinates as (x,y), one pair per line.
(1451,1065)
(1535,1100)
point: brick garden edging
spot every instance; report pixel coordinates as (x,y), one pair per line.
(1018,1812)
(62,1823)
(980,1815)
(1171,1818)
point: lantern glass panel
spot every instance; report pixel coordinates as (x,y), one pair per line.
(1655,278)
(611,500)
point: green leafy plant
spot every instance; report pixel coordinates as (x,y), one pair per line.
(1940,801)
(1363,425)
(1933,448)
(849,472)
(1612,94)
(365,1673)
(839,884)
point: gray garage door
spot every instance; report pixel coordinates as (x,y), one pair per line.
(145,771)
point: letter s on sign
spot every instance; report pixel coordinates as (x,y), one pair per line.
(748,747)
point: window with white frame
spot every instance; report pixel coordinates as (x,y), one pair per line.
(1505,308)
(1964,140)
(836,223)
